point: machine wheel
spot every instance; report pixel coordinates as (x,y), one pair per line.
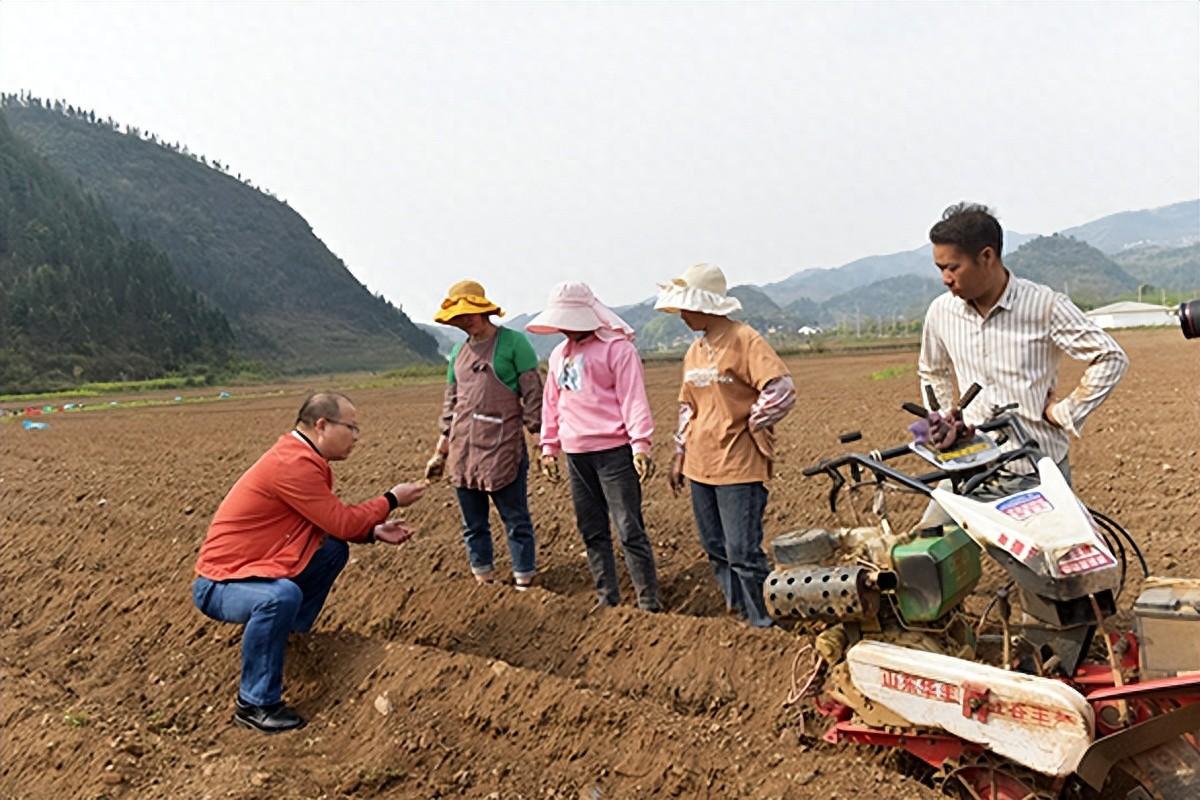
(987,780)
(1168,772)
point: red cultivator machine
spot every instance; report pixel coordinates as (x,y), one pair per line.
(1024,692)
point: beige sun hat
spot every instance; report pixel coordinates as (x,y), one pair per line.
(700,288)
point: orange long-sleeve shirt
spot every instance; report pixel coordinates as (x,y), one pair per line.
(274,517)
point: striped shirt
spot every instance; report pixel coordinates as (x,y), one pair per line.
(1013,353)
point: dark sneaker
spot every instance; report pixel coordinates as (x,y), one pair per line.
(275,718)
(600,605)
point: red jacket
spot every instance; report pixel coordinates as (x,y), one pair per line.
(275,516)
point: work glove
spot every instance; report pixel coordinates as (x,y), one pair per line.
(435,467)
(550,469)
(643,465)
(941,431)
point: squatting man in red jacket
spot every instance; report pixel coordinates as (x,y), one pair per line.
(277,543)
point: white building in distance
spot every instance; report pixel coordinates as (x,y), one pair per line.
(1128,314)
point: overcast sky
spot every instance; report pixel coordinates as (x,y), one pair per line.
(524,144)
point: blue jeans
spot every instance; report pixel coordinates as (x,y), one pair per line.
(271,608)
(513,504)
(729,519)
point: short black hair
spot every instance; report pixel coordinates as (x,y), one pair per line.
(970,227)
(321,405)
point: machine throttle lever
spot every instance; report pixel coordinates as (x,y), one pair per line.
(931,398)
(971,393)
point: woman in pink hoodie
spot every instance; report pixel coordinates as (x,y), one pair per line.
(594,408)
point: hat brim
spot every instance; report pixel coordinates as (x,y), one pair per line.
(675,298)
(556,320)
(462,307)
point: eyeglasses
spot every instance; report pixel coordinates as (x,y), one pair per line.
(353,428)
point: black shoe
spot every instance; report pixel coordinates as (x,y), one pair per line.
(275,718)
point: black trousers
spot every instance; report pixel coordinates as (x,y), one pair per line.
(605,483)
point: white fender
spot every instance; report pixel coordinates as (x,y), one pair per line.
(1037,722)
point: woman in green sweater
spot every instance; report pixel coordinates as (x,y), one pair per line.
(493,390)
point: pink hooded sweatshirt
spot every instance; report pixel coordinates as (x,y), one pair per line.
(595,398)
(595,395)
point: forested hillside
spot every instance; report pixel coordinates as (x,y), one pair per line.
(1176,269)
(1069,265)
(79,300)
(291,303)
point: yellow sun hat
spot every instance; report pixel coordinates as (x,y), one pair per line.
(465,297)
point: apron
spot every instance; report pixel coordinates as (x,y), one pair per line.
(486,438)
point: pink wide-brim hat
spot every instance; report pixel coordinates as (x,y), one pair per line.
(573,307)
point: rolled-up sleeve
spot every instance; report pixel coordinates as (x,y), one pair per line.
(1084,340)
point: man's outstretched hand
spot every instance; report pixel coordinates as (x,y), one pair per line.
(393,532)
(408,493)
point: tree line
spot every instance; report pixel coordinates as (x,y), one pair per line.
(26,99)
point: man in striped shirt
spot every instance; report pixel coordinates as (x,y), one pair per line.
(1007,334)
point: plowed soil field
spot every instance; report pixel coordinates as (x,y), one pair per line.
(113,685)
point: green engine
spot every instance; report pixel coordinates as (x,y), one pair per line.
(935,572)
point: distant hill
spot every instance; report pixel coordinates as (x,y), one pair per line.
(445,335)
(1171,268)
(1172,226)
(81,302)
(891,292)
(1071,266)
(291,303)
(904,296)
(822,284)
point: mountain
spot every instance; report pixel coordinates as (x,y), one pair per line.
(79,300)
(805,311)
(823,284)
(665,332)
(902,296)
(1172,226)
(290,302)
(1171,268)
(1071,266)
(755,302)
(446,336)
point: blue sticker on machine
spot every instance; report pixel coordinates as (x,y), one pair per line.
(1023,506)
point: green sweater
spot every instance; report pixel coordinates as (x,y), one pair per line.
(513,356)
